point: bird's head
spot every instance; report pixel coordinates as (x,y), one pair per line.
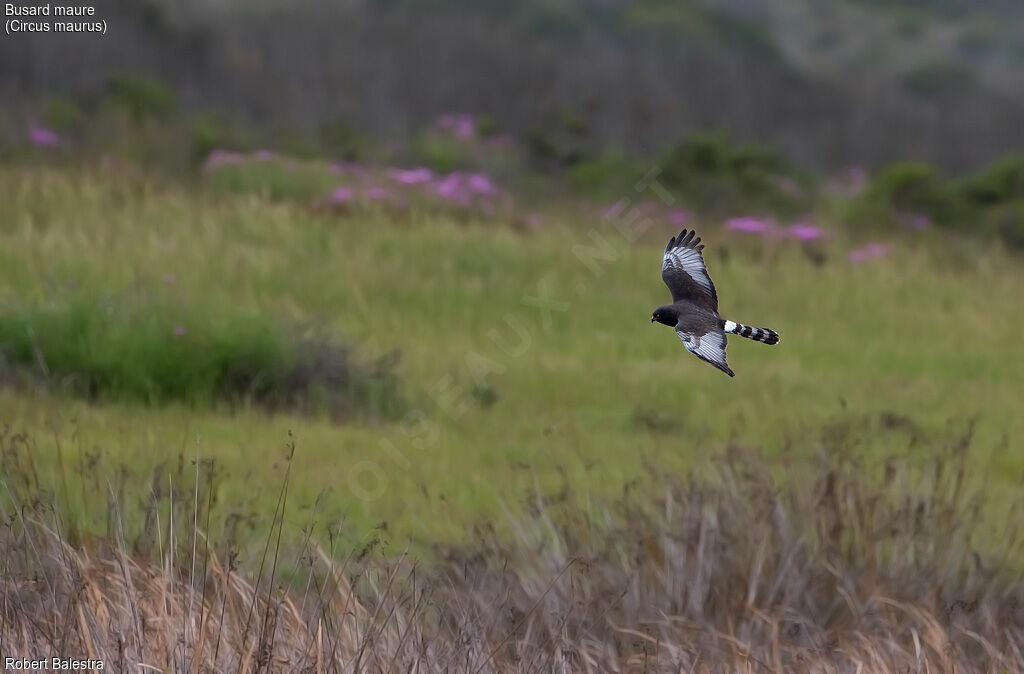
(665,315)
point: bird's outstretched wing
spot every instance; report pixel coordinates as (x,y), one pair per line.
(685,273)
(708,347)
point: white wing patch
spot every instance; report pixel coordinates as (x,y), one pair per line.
(690,262)
(709,347)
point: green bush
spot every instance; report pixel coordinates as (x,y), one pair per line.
(998,183)
(609,174)
(441,152)
(574,123)
(105,350)
(541,147)
(702,153)
(719,177)
(1008,222)
(156,353)
(211,131)
(296,143)
(63,114)
(561,142)
(141,95)
(341,140)
(487,126)
(907,189)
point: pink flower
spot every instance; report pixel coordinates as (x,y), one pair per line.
(40,136)
(919,223)
(448,185)
(804,232)
(481,184)
(265,155)
(452,188)
(868,252)
(375,193)
(218,158)
(533,221)
(462,188)
(170,279)
(342,167)
(612,211)
(789,186)
(749,225)
(645,208)
(341,195)
(463,126)
(179,331)
(850,183)
(414,176)
(856,174)
(678,218)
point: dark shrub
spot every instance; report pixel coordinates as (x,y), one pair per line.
(909,187)
(487,126)
(906,189)
(441,152)
(341,140)
(211,132)
(998,183)
(561,142)
(611,173)
(64,114)
(541,147)
(141,95)
(573,123)
(718,177)
(1008,221)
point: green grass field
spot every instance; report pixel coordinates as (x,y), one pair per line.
(504,395)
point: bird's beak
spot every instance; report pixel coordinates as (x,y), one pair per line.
(652,319)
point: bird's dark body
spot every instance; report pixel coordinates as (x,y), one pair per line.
(694,309)
(690,317)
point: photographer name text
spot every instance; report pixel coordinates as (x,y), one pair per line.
(52,664)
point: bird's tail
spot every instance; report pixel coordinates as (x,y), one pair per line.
(757,334)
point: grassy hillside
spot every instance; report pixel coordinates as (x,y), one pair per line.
(526,358)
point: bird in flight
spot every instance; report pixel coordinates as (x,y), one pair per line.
(694,309)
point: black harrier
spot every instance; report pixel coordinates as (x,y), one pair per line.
(694,309)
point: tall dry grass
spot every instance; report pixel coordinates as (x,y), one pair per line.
(837,567)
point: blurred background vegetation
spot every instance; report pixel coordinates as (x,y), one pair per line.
(210,210)
(744,104)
